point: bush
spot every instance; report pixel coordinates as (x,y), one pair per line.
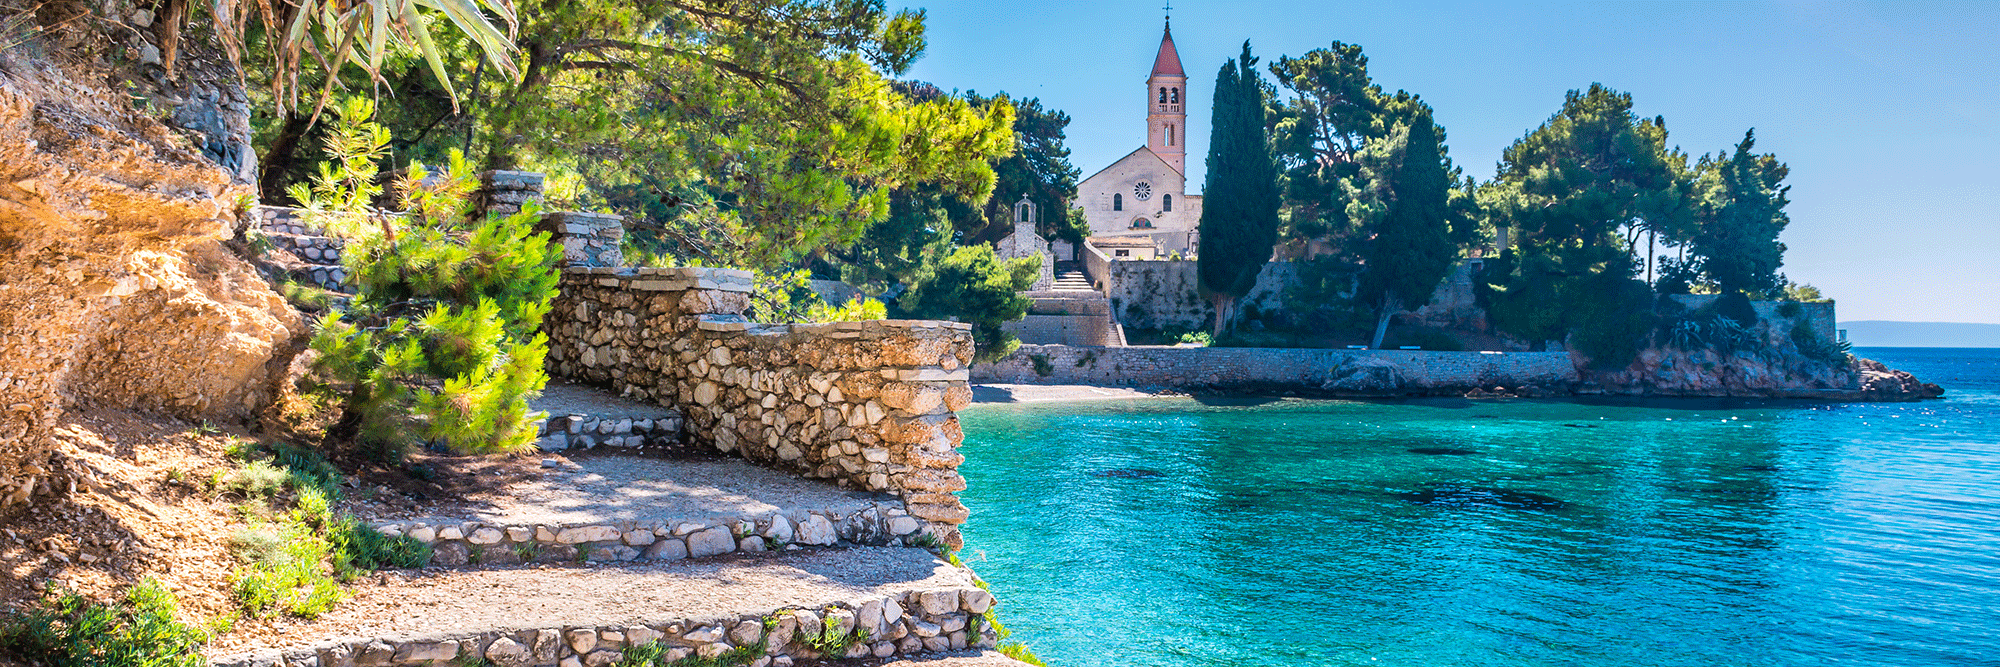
(139,631)
(443,336)
(294,562)
(1617,322)
(1811,346)
(1736,306)
(972,285)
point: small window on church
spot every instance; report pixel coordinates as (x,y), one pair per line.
(1142,223)
(1175,97)
(1170,135)
(1122,253)
(1163,96)
(1117,202)
(1166,202)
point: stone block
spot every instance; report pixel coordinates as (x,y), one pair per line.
(711,542)
(421,651)
(581,534)
(667,549)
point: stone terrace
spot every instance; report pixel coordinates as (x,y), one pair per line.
(626,508)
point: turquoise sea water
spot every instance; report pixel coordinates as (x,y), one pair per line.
(1452,532)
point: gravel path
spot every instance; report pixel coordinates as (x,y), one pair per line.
(437,602)
(562,398)
(602,489)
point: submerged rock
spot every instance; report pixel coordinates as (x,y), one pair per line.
(1449,494)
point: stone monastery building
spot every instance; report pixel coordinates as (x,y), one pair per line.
(1143,197)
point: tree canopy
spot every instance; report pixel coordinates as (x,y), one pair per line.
(1573,195)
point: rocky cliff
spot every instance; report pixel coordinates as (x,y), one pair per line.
(116,287)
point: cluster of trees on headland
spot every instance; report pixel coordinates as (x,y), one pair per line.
(1319,158)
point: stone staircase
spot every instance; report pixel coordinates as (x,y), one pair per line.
(1070,278)
(582,418)
(1071,312)
(313,253)
(608,551)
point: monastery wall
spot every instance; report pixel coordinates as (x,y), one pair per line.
(1368,372)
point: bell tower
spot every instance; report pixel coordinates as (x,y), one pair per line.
(1166,110)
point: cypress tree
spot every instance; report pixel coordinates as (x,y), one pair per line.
(1412,248)
(1239,217)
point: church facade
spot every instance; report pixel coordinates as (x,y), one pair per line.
(1138,207)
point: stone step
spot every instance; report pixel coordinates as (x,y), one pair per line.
(905,602)
(583,417)
(315,249)
(624,508)
(322,276)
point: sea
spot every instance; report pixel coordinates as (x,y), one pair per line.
(1205,532)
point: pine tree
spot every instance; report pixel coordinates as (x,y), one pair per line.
(1239,218)
(1412,248)
(442,339)
(1742,216)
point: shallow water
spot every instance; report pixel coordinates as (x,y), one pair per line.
(1444,532)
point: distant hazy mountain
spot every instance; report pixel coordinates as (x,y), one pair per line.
(1883,333)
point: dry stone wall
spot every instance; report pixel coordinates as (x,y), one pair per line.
(905,623)
(1357,371)
(868,405)
(456,542)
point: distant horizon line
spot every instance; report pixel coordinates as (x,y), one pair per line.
(1988,324)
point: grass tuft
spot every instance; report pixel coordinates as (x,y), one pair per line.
(138,631)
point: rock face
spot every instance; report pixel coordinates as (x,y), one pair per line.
(115,287)
(1367,374)
(868,405)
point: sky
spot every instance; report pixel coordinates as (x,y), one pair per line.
(1887,113)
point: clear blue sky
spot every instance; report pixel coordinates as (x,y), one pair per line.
(1889,113)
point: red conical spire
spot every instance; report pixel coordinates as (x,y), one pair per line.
(1168,63)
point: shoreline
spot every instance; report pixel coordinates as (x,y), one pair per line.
(1005,394)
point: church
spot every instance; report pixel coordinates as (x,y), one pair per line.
(1139,208)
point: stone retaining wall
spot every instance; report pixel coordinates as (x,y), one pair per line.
(457,542)
(868,405)
(1366,371)
(925,621)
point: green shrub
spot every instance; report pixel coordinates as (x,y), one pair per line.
(358,545)
(1199,338)
(1042,366)
(139,631)
(1736,306)
(443,337)
(1811,346)
(258,479)
(973,285)
(257,545)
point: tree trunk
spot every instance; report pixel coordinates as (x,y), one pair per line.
(1225,313)
(1651,239)
(1386,312)
(282,156)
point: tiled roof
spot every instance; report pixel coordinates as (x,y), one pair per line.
(1168,63)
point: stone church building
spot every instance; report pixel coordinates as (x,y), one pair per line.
(1143,196)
